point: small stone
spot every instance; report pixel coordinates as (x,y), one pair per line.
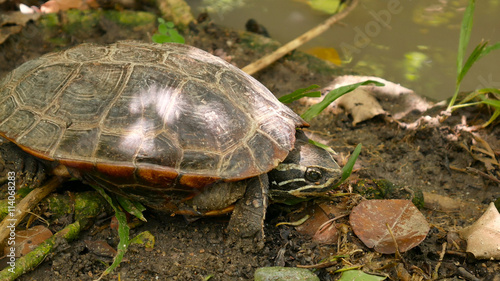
(277,273)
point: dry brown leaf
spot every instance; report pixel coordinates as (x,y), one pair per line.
(100,248)
(27,240)
(483,148)
(12,23)
(54,6)
(442,203)
(483,237)
(326,235)
(321,214)
(372,219)
(361,105)
(393,98)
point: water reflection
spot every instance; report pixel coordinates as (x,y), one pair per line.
(430,28)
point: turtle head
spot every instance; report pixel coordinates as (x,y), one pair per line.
(308,171)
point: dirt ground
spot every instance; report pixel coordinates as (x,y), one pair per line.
(431,157)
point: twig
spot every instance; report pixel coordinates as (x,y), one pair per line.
(396,246)
(35,257)
(488,176)
(299,41)
(467,275)
(441,256)
(322,227)
(25,206)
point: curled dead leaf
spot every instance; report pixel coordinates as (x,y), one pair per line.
(13,22)
(361,105)
(483,237)
(392,99)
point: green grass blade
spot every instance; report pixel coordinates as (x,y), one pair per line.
(463,42)
(493,103)
(347,170)
(123,231)
(490,48)
(465,32)
(470,97)
(316,109)
(474,56)
(300,93)
(324,146)
(489,90)
(496,105)
(493,117)
(132,207)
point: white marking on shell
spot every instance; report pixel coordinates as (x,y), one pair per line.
(137,137)
(164,100)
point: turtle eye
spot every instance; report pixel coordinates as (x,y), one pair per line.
(313,174)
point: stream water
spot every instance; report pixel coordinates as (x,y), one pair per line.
(413,43)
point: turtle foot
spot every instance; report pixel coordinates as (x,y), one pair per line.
(248,216)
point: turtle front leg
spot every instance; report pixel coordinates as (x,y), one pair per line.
(249,213)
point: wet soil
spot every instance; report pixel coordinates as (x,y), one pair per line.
(430,157)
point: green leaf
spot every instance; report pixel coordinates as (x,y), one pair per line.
(490,102)
(300,93)
(161,21)
(474,56)
(488,49)
(167,33)
(160,38)
(347,170)
(324,146)
(123,231)
(176,37)
(465,32)
(132,207)
(493,117)
(316,109)
(162,29)
(496,105)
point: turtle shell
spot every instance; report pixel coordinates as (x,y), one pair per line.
(148,114)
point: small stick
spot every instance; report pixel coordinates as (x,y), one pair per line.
(22,209)
(490,177)
(441,256)
(299,41)
(31,260)
(398,254)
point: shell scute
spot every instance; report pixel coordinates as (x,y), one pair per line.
(202,162)
(89,93)
(125,52)
(239,161)
(116,149)
(78,144)
(207,119)
(42,135)
(17,123)
(160,151)
(82,53)
(51,78)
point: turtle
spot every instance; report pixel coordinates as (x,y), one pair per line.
(168,125)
